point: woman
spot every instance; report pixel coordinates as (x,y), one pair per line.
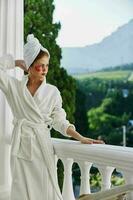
(36,107)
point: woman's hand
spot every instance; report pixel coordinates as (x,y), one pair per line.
(21,64)
(81,138)
(85,140)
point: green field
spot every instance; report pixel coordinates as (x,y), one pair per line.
(110,75)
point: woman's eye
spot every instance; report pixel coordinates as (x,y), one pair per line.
(38,66)
(43,65)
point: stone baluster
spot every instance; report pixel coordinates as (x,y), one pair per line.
(67,191)
(85,177)
(106,173)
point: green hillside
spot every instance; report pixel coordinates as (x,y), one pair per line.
(108,75)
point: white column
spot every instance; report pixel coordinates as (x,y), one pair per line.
(67,191)
(85,177)
(106,173)
(11,41)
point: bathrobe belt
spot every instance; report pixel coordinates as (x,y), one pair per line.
(46,153)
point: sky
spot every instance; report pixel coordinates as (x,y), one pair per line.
(85,22)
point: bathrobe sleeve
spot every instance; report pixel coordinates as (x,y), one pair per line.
(60,123)
(6,62)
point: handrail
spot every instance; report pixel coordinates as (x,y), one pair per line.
(109,155)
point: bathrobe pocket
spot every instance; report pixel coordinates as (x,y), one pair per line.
(26,148)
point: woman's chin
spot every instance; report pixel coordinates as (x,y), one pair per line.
(42,77)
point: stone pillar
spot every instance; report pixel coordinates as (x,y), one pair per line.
(67,191)
(106,173)
(85,177)
(11,41)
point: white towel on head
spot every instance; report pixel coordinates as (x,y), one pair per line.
(32,49)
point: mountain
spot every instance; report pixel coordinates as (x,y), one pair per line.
(116,49)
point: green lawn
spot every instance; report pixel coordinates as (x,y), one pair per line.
(110,75)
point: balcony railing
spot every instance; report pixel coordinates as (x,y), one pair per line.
(105,157)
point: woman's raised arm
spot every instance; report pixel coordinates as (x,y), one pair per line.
(7,62)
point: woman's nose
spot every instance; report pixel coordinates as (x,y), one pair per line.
(44,67)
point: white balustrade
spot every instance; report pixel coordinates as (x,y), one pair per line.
(105,157)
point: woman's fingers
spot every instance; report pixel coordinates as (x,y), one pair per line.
(21,64)
(98,142)
(86,140)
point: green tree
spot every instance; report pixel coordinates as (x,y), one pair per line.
(90,93)
(101,109)
(105,121)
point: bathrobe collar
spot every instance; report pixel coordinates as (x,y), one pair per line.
(25,80)
(29,98)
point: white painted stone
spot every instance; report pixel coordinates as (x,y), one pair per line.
(105,157)
(85,177)
(106,173)
(11,41)
(67,191)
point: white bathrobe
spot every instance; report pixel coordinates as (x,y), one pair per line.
(32,160)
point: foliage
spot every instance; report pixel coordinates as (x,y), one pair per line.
(109,116)
(105,108)
(102,121)
(81,122)
(116,180)
(96,181)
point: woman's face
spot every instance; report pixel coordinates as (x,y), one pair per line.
(39,69)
